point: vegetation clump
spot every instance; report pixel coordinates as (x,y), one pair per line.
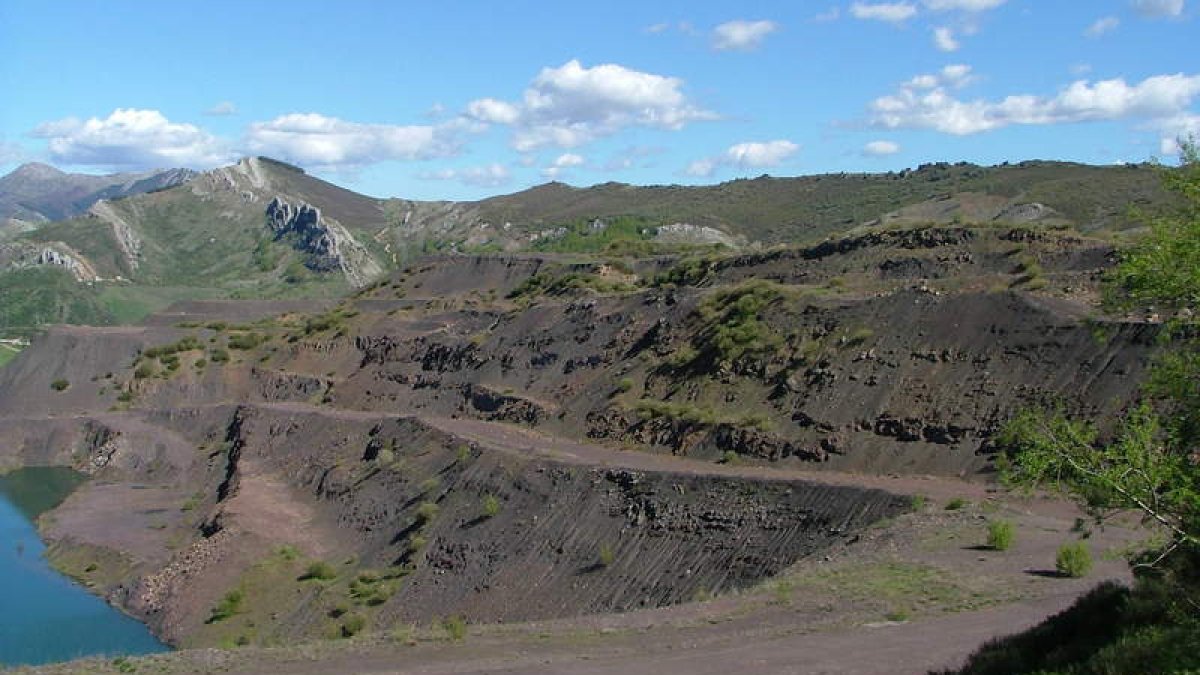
(734,322)
(229,605)
(1000,535)
(319,571)
(1073,560)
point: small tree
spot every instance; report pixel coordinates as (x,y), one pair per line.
(1152,462)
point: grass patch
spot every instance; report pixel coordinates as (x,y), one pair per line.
(895,587)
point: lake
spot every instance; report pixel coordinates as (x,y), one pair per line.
(44,616)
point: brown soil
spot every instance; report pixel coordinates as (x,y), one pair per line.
(449,453)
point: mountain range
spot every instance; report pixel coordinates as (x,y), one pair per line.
(110,249)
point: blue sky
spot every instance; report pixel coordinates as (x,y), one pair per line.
(461,100)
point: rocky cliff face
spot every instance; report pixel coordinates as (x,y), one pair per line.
(327,245)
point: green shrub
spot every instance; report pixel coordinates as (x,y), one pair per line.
(1000,535)
(456,627)
(1073,560)
(144,370)
(491,506)
(59,385)
(607,555)
(625,384)
(353,625)
(218,355)
(956,504)
(245,341)
(917,502)
(319,571)
(228,606)
(427,511)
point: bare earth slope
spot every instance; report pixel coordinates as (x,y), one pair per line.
(598,444)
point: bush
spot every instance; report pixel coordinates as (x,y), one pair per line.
(607,555)
(427,511)
(491,506)
(956,504)
(228,606)
(1000,535)
(144,371)
(320,571)
(353,625)
(59,385)
(456,627)
(1073,560)
(245,341)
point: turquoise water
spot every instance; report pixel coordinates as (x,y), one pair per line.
(45,617)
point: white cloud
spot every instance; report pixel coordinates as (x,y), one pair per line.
(881,148)
(312,139)
(493,111)
(658,28)
(1184,125)
(562,164)
(10,153)
(943,39)
(222,109)
(131,138)
(568,159)
(925,102)
(701,168)
(891,12)
(489,175)
(748,155)
(572,105)
(1158,8)
(760,155)
(963,5)
(741,35)
(1105,24)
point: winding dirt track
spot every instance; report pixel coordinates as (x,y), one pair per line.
(733,634)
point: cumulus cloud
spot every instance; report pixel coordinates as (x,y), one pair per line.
(943,39)
(572,105)
(748,155)
(312,139)
(489,175)
(131,138)
(881,148)
(741,35)
(222,109)
(493,111)
(561,164)
(1155,9)
(963,5)
(1105,24)
(927,102)
(1182,126)
(891,12)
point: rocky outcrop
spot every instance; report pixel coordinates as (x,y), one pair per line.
(57,254)
(686,233)
(327,245)
(128,241)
